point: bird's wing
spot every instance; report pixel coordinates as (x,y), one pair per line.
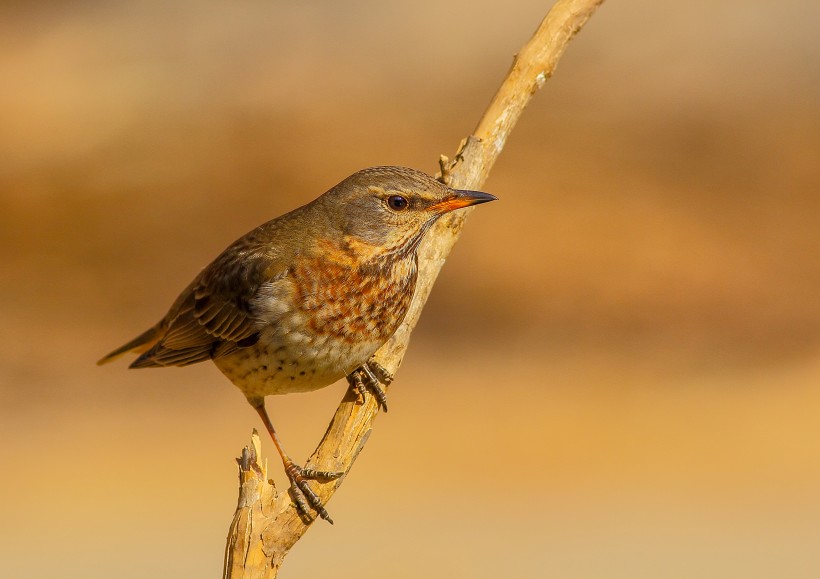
(214,315)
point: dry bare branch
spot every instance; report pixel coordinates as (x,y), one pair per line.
(266,524)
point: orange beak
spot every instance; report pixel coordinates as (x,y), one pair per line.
(460,199)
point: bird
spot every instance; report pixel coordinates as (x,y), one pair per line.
(307,298)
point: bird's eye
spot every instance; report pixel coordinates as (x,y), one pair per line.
(397,202)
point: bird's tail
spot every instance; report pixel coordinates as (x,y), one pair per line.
(139,344)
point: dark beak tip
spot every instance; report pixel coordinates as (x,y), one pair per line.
(475,196)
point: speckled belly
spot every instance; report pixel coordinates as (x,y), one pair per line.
(271,368)
(323,323)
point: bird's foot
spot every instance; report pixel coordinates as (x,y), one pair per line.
(380,371)
(301,493)
(368,378)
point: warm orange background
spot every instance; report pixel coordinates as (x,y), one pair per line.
(618,374)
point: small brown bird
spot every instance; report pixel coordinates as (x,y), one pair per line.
(308,297)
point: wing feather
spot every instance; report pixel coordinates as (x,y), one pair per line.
(215,315)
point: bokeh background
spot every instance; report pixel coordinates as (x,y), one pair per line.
(618,374)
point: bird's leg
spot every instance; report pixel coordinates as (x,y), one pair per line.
(303,496)
(369,377)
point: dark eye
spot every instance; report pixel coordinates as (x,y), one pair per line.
(397,202)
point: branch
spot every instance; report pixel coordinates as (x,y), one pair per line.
(266,524)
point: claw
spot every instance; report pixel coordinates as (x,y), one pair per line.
(300,502)
(364,379)
(357,384)
(303,496)
(372,384)
(380,371)
(325,475)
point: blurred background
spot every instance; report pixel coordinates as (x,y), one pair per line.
(618,374)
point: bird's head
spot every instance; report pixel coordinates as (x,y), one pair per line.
(392,207)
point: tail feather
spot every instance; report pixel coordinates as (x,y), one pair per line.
(159,357)
(139,344)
